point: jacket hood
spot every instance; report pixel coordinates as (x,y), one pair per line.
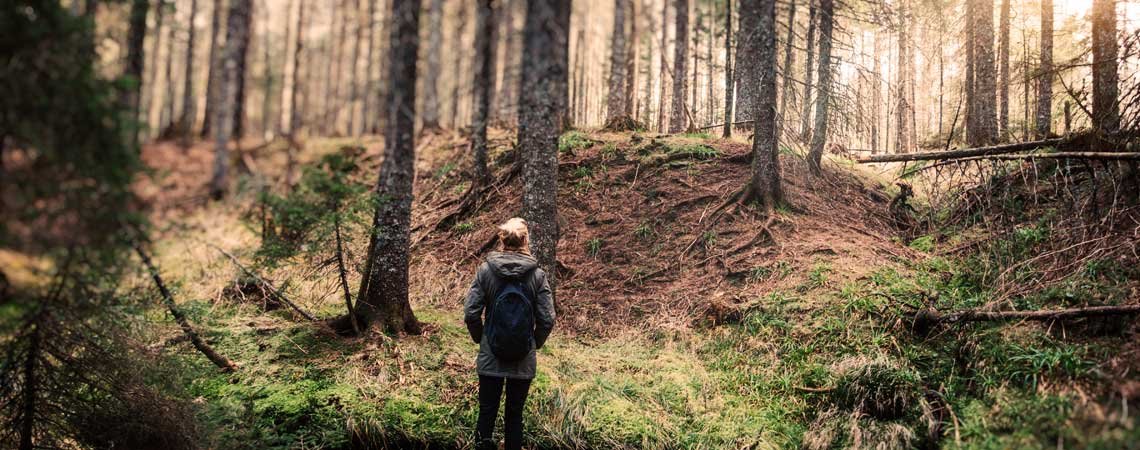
(511,265)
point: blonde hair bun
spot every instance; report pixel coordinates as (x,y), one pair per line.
(513,235)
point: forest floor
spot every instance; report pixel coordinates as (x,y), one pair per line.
(677,328)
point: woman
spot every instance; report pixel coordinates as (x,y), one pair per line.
(509,313)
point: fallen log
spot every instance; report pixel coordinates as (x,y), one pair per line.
(1102,156)
(167,298)
(276,293)
(963,153)
(718,125)
(926,319)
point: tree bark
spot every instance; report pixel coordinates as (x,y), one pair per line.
(369,89)
(809,68)
(615,98)
(457,66)
(631,62)
(152,80)
(136,58)
(384,286)
(904,142)
(299,74)
(1003,67)
(542,95)
(214,69)
(189,101)
(789,60)
(1044,116)
(764,185)
(819,135)
(677,117)
(985,86)
(663,92)
(729,80)
(876,91)
(166,114)
(432,70)
(353,65)
(237,41)
(1106,81)
(240,34)
(483,85)
(747,40)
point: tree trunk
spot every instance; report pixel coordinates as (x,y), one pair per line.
(156,49)
(1003,67)
(809,68)
(971,57)
(166,115)
(764,185)
(369,90)
(241,52)
(269,78)
(186,123)
(819,135)
(631,62)
(383,300)
(1044,116)
(353,86)
(432,70)
(457,66)
(237,40)
(337,97)
(299,73)
(876,91)
(615,98)
(1106,82)
(746,87)
(789,60)
(214,69)
(542,94)
(729,80)
(985,86)
(483,85)
(662,93)
(903,110)
(136,59)
(677,122)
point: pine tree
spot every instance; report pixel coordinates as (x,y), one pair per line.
(823,97)
(677,117)
(1106,81)
(616,96)
(483,85)
(432,70)
(186,122)
(764,186)
(383,298)
(1044,116)
(729,79)
(237,41)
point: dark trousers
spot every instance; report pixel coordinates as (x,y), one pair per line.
(490,391)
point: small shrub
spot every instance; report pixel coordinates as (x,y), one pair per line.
(572,141)
(594,246)
(463,227)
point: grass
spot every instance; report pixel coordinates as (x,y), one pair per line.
(574,140)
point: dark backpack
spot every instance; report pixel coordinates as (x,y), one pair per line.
(510,329)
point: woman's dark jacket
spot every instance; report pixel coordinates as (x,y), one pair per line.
(491,276)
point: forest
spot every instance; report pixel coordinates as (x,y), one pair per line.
(765,224)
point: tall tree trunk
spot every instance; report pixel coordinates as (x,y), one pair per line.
(299,73)
(631,62)
(694,69)
(615,99)
(337,97)
(809,68)
(353,86)
(237,40)
(288,76)
(383,300)
(505,107)
(904,109)
(764,185)
(677,122)
(710,60)
(213,71)
(269,78)
(579,71)
(823,97)
(1044,116)
(729,80)
(1106,81)
(876,92)
(483,85)
(542,94)
(1003,66)
(369,90)
(166,116)
(985,84)
(432,71)
(662,94)
(746,84)
(971,57)
(156,48)
(789,60)
(240,57)
(457,66)
(186,126)
(136,59)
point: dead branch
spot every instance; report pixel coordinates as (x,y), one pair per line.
(167,298)
(344,277)
(276,293)
(963,153)
(926,319)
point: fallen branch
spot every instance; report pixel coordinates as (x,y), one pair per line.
(718,125)
(925,319)
(276,293)
(963,153)
(167,298)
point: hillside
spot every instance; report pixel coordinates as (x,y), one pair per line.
(678,328)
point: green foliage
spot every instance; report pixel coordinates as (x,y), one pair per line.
(574,140)
(594,246)
(695,151)
(923,244)
(463,227)
(699,135)
(644,231)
